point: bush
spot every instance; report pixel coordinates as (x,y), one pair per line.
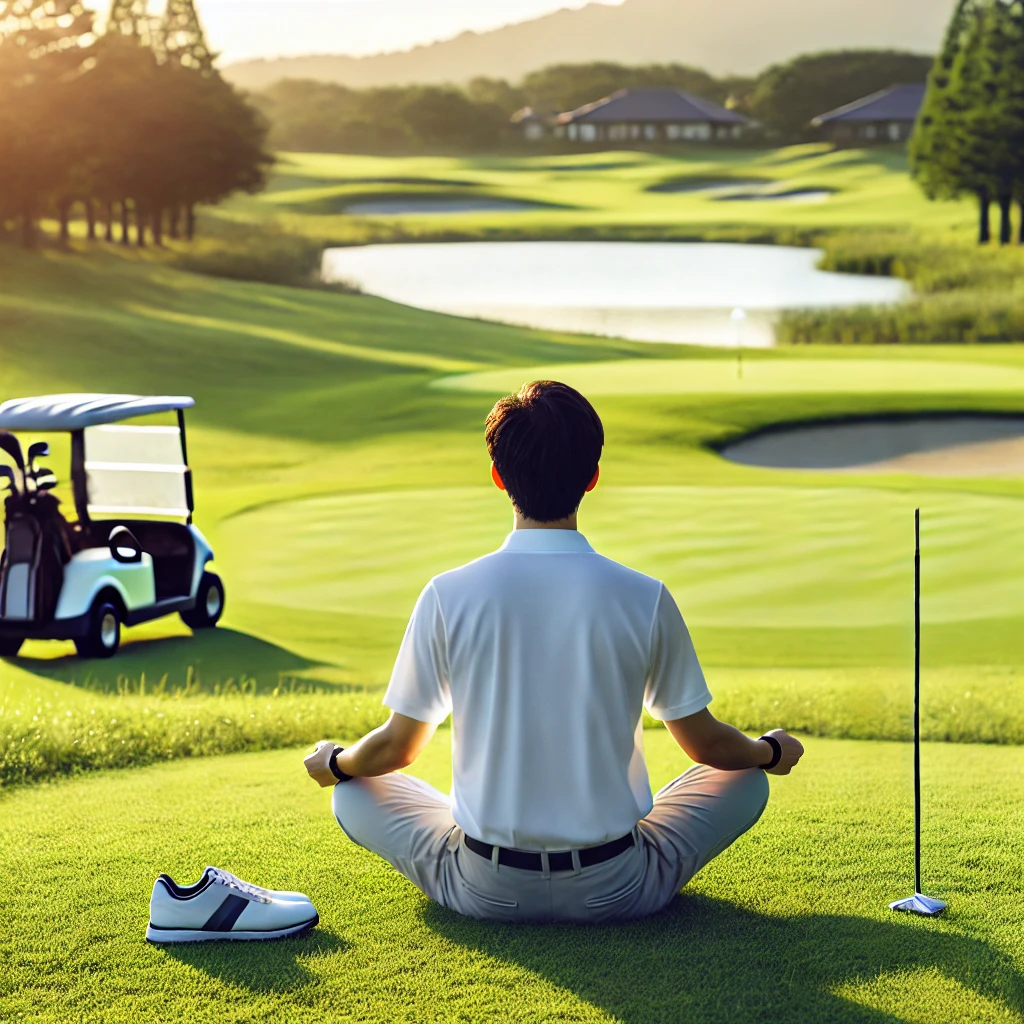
(964,293)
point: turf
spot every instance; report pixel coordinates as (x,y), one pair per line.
(339,464)
(789,925)
(869,188)
(338,456)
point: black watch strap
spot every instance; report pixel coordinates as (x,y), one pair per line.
(776,752)
(335,770)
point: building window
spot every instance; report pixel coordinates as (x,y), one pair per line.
(895,131)
(574,131)
(650,132)
(618,132)
(737,131)
(697,131)
(588,132)
(870,131)
(634,131)
(673,131)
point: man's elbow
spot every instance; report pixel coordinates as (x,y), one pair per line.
(400,755)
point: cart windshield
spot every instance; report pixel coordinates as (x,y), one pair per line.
(137,471)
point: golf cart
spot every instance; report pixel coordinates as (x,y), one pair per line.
(133,553)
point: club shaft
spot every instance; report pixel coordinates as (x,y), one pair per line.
(917,700)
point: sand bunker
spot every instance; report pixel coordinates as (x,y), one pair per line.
(813,195)
(428,204)
(965,445)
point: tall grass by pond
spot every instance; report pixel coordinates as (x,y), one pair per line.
(965,293)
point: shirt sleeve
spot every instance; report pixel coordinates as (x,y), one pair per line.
(419,686)
(675,682)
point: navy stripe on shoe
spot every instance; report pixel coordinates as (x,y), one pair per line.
(224,917)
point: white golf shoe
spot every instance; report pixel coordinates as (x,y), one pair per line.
(222,906)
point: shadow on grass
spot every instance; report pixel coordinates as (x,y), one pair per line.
(711,962)
(212,661)
(258,966)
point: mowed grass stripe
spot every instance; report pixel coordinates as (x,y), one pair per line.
(758,376)
(734,556)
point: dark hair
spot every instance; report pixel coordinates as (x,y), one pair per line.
(546,442)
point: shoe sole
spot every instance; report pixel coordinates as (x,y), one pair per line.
(169,936)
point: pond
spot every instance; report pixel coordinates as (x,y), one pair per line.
(693,293)
(959,445)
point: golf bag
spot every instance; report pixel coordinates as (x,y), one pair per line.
(36,550)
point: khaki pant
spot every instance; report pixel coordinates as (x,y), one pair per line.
(695,817)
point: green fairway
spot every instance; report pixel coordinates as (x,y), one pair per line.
(339,463)
(866,188)
(725,376)
(791,923)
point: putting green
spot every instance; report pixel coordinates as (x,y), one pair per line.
(765,557)
(755,377)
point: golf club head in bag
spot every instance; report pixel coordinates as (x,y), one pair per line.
(37,450)
(9,444)
(7,474)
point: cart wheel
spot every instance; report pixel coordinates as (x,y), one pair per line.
(10,645)
(104,636)
(209,603)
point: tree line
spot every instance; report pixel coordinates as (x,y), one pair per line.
(326,117)
(133,125)
(969,138)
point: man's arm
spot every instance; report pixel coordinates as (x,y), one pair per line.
(708,741)
(395,745)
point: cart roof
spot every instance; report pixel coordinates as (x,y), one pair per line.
(76,412)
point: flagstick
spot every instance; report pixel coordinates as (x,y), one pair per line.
(918,904)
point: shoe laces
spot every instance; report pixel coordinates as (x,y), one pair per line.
(234,882)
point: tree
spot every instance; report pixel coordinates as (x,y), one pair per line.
(787,97)
(970,134)
(43,49)
(183,39)
(132,18)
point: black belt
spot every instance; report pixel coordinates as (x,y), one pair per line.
(561,861)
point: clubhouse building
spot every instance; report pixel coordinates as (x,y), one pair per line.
(639,115)
(883,117)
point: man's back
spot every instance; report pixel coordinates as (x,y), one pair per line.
(545,653)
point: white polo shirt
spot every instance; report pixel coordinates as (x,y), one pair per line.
(545,653)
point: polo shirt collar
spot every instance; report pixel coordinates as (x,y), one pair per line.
(546,542)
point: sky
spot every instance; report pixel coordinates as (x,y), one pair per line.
(242,29)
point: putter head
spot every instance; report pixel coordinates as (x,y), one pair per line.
(925,906)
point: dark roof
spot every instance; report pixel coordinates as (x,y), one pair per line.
(652,105)
(897,103)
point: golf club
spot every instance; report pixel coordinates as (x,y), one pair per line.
(918,903)
(37,450)
(9,444)
(6,473)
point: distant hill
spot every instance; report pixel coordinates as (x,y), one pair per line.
(722,36)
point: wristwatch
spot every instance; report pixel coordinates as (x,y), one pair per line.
(776,752)
(337,772)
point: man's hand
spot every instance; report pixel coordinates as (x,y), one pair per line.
(792,751)
(708,741)
(317,764)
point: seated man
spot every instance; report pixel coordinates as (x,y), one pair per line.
(545,654)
